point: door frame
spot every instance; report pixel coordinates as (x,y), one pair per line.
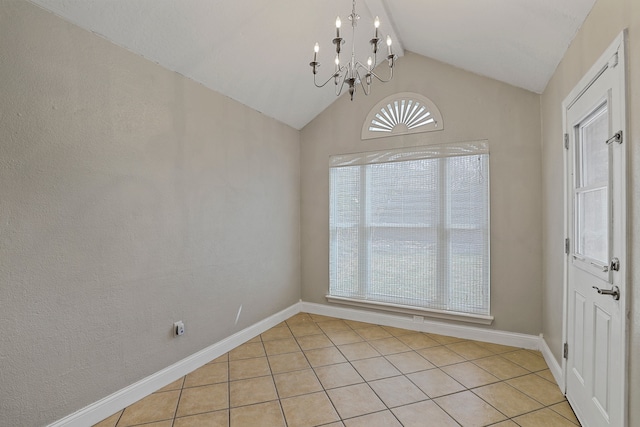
(619,45)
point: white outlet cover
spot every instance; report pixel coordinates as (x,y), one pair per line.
(178,328)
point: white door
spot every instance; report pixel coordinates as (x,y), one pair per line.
(595,369)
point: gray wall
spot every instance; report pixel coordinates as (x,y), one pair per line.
(607,19)
(130,197)
(473,107)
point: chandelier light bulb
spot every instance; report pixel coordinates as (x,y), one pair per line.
(338,22)
(389,44)
(376,23)
(316,48)
(369,62)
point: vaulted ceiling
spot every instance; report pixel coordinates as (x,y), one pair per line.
(258,52)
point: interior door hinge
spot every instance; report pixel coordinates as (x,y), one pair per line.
(566,351)
(567,246)
(566,141)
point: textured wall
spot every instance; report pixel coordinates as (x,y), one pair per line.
(473,107)
(130,197)
(607,19)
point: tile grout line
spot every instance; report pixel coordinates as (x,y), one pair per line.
(365,381)
(369,385)
(471,389)
(119,418)
(466,360)
(358,372)
(284,416)
(316,374)
(429,398)
(529,372)
(228,387)
(251,378)
(383,356)
(353,367)
(175,412)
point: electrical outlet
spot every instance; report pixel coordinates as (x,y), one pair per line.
(178,328)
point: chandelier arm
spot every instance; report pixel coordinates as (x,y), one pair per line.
(383,80)
(323,84)
(364,87)
(388,79)
(333,76)
(340,86)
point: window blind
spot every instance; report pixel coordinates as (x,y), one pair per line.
(410,227)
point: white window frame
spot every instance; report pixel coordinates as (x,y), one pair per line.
(407,154)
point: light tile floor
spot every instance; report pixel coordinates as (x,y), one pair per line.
(320,371)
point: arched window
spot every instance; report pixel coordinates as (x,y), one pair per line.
(402,114)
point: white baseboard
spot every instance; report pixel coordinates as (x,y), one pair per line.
(119,400)
(531,342)
(552,363)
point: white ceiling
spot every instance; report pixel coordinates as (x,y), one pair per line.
(258,52)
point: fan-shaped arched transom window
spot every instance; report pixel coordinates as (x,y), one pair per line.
(402,114)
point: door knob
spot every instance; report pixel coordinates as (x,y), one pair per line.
(615,292)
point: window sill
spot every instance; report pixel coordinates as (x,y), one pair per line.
(427,312)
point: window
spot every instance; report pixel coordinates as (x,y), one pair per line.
(410,228)
(591,188)
(402,114)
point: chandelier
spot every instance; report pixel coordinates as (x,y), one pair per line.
(350,73)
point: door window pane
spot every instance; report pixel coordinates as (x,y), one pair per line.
(595,159)
(592,187)
(592,224)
